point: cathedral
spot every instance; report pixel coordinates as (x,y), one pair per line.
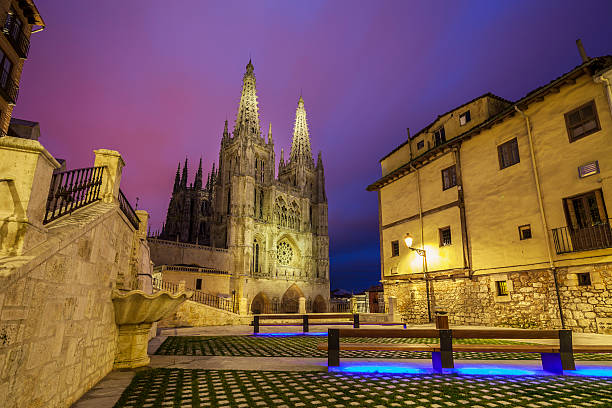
(273,226)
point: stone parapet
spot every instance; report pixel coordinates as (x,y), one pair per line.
(25,176)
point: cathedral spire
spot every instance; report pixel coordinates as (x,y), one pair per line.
(184,177)
(247,118)
(300,145)
(198,178)
(177,179)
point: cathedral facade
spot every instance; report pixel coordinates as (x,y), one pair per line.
(273,226)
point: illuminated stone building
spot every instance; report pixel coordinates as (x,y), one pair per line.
(510,202)
(268,231)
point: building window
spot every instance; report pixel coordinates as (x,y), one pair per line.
(229,200)
(524,231)
(449,178)
(585,211)
(584,279)
(502,288)
(439,136)
(464,118)
(13,24)
(256,256)
(445,236)
(6,66)
(420,144)
(508,154)
(582,121)
(198,284)
(394,248)
(394,270)
(261,203)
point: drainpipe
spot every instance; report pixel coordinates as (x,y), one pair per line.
(542,216)
(606,83)
(422,241)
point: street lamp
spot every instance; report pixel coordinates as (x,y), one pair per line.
(421,252)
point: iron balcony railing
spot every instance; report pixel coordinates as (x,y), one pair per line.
(17,37)
(127,209)
(339,306)
(8,88)
(71,190)
(569,239)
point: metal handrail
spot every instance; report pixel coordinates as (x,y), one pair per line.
(71,190)
(127,209)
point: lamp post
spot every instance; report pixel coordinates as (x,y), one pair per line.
(421,252)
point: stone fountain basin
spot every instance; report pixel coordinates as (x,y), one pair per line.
(135,313)
(137,307)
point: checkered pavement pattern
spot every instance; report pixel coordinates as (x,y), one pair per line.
(244,389)
(306,346)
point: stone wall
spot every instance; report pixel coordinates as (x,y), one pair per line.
(57,326)
(180,253)
(531,301)
(196,314)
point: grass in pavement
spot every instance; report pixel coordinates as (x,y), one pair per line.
(225,388)
(306,346)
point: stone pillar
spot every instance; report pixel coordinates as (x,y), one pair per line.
(143,216)
(181,286)
(25,177)
(243,306)
(302,305)
(111,177)
(353,304)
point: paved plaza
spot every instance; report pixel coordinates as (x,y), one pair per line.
(229,367)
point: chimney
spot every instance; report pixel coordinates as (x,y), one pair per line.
(581,50)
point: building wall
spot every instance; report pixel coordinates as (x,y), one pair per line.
(175,253)
(496,202)
(213,284)
(57,326)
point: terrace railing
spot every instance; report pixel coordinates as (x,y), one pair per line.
(597,236)
(198,296)
(336,306)
(71,190)
(127,209)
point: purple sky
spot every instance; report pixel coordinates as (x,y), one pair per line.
(156,79)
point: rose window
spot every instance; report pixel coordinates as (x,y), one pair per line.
(284,253)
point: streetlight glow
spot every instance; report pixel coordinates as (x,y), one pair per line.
(408,240)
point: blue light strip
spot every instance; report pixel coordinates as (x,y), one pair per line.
(466,369)
(289,334)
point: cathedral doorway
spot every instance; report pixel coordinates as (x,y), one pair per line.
(260,304)
(319,305)
(290,302)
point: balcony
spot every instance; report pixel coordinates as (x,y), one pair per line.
(16,36)
(8,88)
(597,236)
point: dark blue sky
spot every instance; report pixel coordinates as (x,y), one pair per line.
(156,79)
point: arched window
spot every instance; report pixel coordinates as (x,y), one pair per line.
(229,199)
(262,171)
(255,256)
(261,203)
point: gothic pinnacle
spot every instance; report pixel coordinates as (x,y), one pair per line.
(300,145)
(177,178)
(198,179)
(184,178)
(270,141)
